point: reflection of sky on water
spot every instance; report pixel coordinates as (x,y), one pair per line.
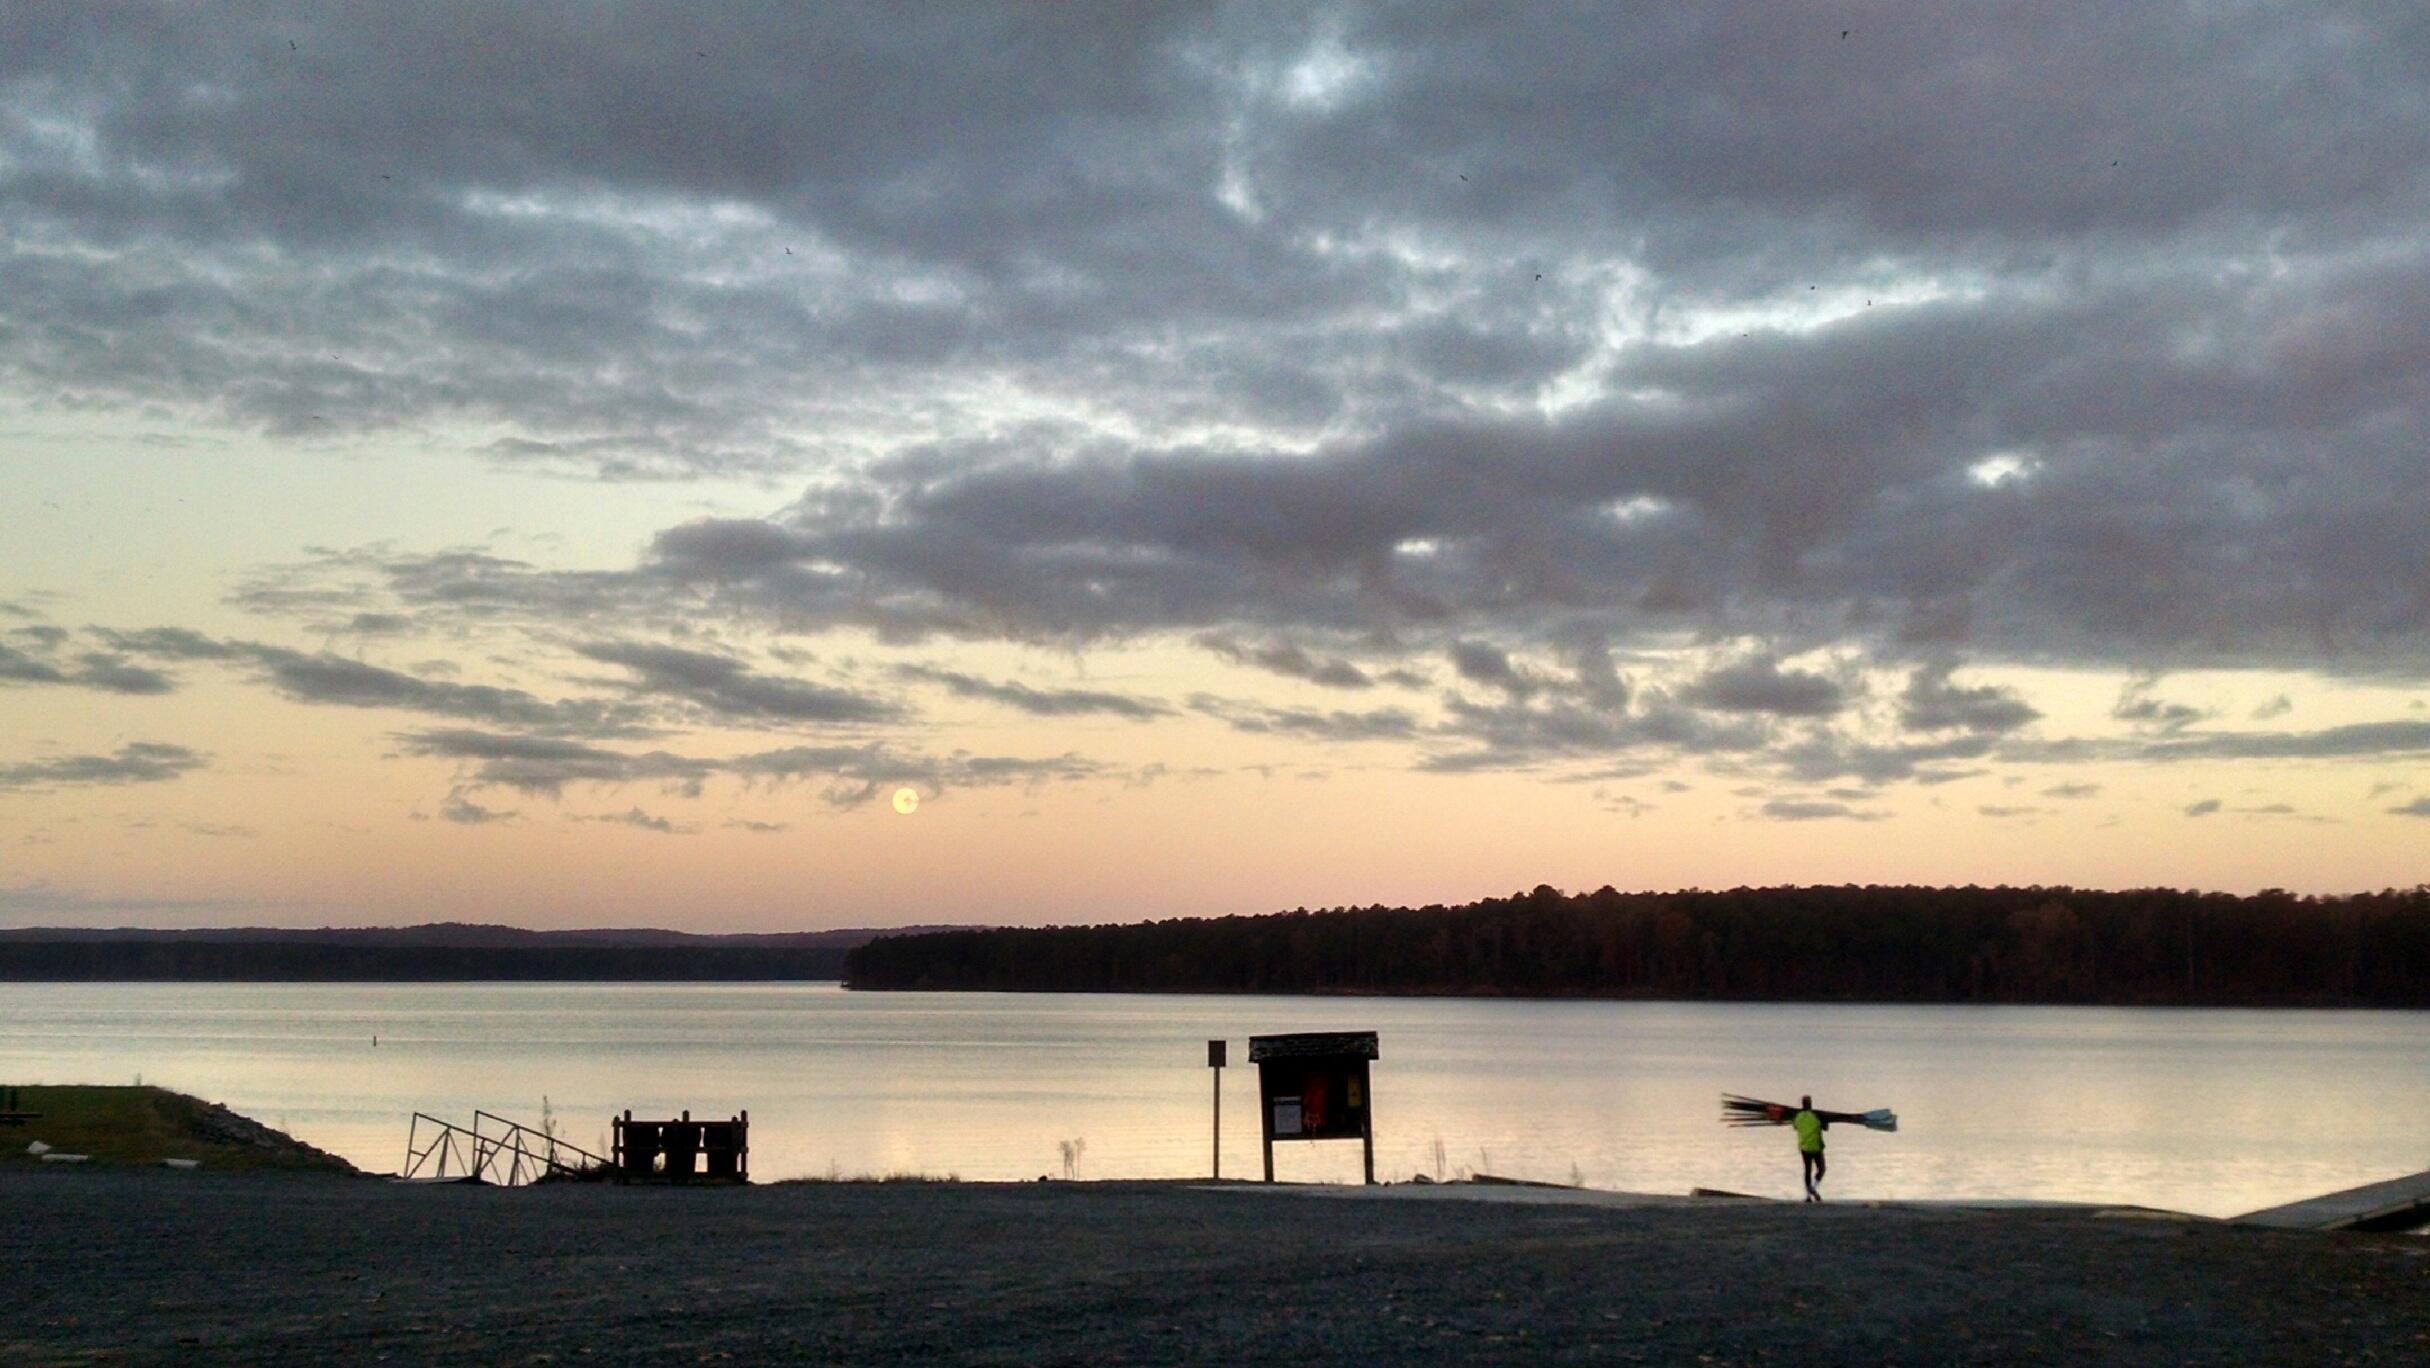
(2210,1111)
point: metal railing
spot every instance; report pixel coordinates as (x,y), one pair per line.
(528,1154)
(448,1142)
(493,1150)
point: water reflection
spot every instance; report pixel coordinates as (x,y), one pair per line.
(2209,1111)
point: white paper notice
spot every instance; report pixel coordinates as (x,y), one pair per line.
(1286,1116)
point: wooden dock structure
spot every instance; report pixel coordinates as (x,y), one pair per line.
(2397,1204)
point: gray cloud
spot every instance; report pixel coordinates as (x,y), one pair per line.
(1482,663)
(337,680)
(729,688)
(1932,703)
(1036,702)
(112,674)
(2136,705)
(2419,807)
(341,681)
(16,667)
(635,817)
(2354,740)
(545,765)
(852,774)
(1374,724)
(1822,758)
(172,643)
(2203,808)
(1803,810)
(137,762)
(96,670)
(1760,685)
(463,811)
(1290,661)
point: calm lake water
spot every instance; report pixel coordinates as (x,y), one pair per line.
(2207,1111)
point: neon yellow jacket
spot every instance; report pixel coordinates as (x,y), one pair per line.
(1809,1128)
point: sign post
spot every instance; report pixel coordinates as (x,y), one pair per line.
(1216,1050)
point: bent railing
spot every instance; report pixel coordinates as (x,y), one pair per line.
(493,1149)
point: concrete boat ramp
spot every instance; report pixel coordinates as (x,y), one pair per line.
(1509,1193)
(2397,1204)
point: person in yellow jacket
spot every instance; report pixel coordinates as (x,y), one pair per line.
(1809,1128)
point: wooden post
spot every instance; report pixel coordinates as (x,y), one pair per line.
(1366,1120)
(1265,1121)
(1216,1050)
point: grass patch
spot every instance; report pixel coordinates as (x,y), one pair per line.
(142,1126)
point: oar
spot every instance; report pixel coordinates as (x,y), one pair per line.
(1754,1111)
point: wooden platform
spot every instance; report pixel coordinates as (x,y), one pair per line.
(2398,1204)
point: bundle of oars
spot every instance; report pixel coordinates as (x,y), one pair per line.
(1754,1111)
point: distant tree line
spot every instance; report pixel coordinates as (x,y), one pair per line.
(298,960)
(1831,944)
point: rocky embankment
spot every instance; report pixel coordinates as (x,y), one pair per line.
(147,1126)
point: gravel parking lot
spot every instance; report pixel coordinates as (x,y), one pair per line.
(155,1266)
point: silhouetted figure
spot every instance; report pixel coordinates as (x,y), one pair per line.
(1809,1127)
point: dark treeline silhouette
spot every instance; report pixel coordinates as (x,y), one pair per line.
(96,960)
(1843,944)
(428,953)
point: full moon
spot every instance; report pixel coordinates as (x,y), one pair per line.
(905,800)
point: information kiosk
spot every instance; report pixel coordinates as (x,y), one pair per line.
(1313,1086)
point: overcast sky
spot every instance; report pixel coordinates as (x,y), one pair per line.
(574,465)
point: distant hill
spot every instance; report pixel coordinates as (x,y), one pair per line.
(437,952)
(1830,944)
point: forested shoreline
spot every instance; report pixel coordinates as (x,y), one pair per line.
(1829,944)
(294,961)
(431,952)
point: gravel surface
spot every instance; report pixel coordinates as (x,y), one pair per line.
(140,1266)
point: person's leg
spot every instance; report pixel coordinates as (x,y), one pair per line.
(1805,1167)
(1818,1174)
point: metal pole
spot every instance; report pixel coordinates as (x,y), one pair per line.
(1218,1123)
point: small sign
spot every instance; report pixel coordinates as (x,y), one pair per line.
(1216,1050)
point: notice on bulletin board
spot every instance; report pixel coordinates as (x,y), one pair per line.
(1286,1116)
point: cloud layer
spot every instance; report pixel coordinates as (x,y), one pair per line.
(1552,386)
(2099,339)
